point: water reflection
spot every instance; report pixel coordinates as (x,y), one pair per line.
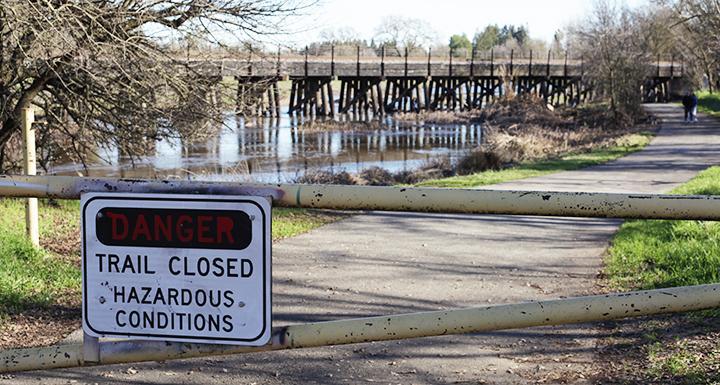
(272,151)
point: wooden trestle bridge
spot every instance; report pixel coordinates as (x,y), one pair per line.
(379,86)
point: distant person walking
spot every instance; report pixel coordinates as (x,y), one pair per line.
(690,102)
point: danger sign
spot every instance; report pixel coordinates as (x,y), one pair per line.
(177,267)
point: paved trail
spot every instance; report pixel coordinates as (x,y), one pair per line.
(381,263)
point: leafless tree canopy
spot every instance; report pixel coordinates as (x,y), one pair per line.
(695,25)
(400,32)
(618,45)
(101,71)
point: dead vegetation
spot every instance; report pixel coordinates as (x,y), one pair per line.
(378,176)
(330,124)
(672,349)
(515,130)
(523,129)
(40,326)
(437,117)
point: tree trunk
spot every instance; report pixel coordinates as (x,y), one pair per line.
(12,123)
(708,73)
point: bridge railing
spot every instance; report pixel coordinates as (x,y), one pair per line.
(357,61)
(391,327)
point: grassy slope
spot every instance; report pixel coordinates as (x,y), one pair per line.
(659,253)
(31,277)
(629,143)
(709,103)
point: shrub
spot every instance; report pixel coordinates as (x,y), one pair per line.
(327,177)
(377,176)
(479,160)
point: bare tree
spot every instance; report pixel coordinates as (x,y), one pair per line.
(103,71)
(340,36)
(401,32)
(695,29)
(617,52)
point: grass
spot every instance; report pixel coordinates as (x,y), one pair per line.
(649,254)
(680,361)
(31,277)
(627,144)
(709,103)
(291,222)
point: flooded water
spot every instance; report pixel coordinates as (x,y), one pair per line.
(281,151)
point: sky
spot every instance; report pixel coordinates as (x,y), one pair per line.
(447,17)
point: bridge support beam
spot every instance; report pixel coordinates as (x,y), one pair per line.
(311,96)
(361,94)
(258,96)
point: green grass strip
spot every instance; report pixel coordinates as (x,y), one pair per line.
(709,103)
(30,276)
(648,254)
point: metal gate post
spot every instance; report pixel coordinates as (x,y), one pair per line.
(91,348)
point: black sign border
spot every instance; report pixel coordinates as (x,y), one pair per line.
(266,320)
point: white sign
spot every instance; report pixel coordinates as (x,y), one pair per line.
(190,268)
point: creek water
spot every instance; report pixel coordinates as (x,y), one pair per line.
(283,150)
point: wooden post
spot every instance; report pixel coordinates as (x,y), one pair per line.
(331,97)
(293,105)
(341,102)
(306,62)
(381,101)
(241,96)
(271,102)
(332,61)
(492,62)
(30,168)
(547,66)
(545,88)
(278,63)
(406,61)
(276,95)
(530,65)
(429,73)
(382,61)
(323,105)
(472,62)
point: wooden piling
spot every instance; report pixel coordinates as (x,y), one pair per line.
(32,228)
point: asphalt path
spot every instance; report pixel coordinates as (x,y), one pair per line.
(382,263)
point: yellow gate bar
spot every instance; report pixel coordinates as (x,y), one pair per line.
(579,204)
(392,327)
